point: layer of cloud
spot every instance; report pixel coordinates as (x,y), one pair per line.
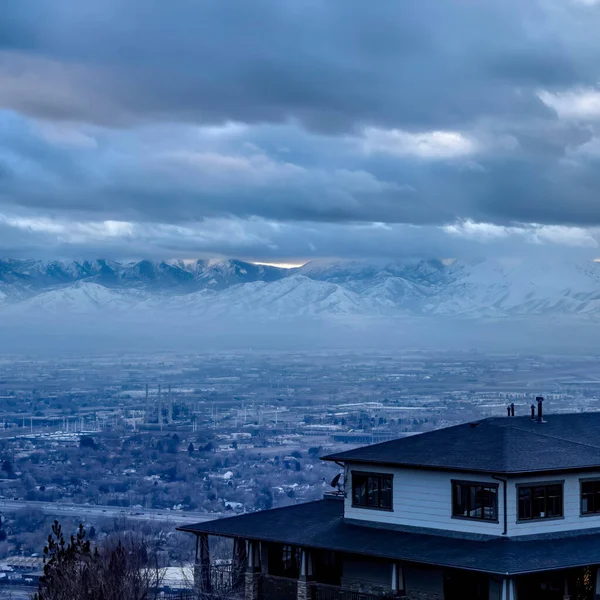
(293,128)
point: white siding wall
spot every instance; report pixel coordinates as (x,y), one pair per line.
(423,499)
(571,506)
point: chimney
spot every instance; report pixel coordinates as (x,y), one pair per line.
(540,416)
(532,412)
(512,409)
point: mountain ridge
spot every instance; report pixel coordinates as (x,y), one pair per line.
(474,289)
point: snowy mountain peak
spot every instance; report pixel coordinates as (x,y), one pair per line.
(496,288)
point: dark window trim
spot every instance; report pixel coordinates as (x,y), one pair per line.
(372,474)
(583,480)
(375,473)
(560,482)
(478,484)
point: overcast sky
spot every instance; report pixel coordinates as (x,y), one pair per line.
(290,130)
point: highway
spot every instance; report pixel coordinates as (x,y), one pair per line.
(95,511)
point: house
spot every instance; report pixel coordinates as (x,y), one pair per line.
(498,509)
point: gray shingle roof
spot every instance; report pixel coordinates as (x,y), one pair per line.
(321,525)
(498,445)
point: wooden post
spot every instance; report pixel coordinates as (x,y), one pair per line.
(202,566)
(509,589)
(252,577)
(306,574)
(567,596)
(239,563)
(264,558)
(398,580)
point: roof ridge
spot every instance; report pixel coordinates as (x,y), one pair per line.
(553,437)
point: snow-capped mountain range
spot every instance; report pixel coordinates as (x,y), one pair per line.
(485,288)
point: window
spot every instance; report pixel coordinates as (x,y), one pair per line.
(540,501)
(284,561)
(590,497)
(372,490)
(472,500)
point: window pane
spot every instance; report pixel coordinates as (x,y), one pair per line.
(385,494)
(459,508)
(525,503)
(359,490)
(590,497)
(539,502)
(492,508)
(587,503)
(587,497)
(554,501)
(478,507)
(474,501)
(545,501)
(373,491)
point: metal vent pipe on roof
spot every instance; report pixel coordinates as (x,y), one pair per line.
(540,416)
(532,412)
(512,409)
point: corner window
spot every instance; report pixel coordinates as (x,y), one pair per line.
(590,497)
(471,500)
(540,501)
(372,490)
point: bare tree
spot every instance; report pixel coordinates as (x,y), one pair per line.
(120,569)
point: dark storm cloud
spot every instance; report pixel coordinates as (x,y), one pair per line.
(310,116)
(332,65)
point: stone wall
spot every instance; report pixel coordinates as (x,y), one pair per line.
(251,584)
(304,590)
(366,587)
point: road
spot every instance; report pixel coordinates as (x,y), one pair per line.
(84,511)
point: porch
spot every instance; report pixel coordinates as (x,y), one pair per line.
(273,571)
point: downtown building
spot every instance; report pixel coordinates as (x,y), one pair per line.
(498,509)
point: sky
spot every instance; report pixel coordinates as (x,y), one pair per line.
(283,132)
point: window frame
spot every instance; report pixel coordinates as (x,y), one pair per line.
(544,484)
(367,474)
(581,482)
(484,484)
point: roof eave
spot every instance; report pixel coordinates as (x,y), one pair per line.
(511,572)
(460,469)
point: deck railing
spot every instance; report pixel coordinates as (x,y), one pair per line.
(278,588)
(322,591)
(284,588)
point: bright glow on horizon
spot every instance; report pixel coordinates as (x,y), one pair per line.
(280,265)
